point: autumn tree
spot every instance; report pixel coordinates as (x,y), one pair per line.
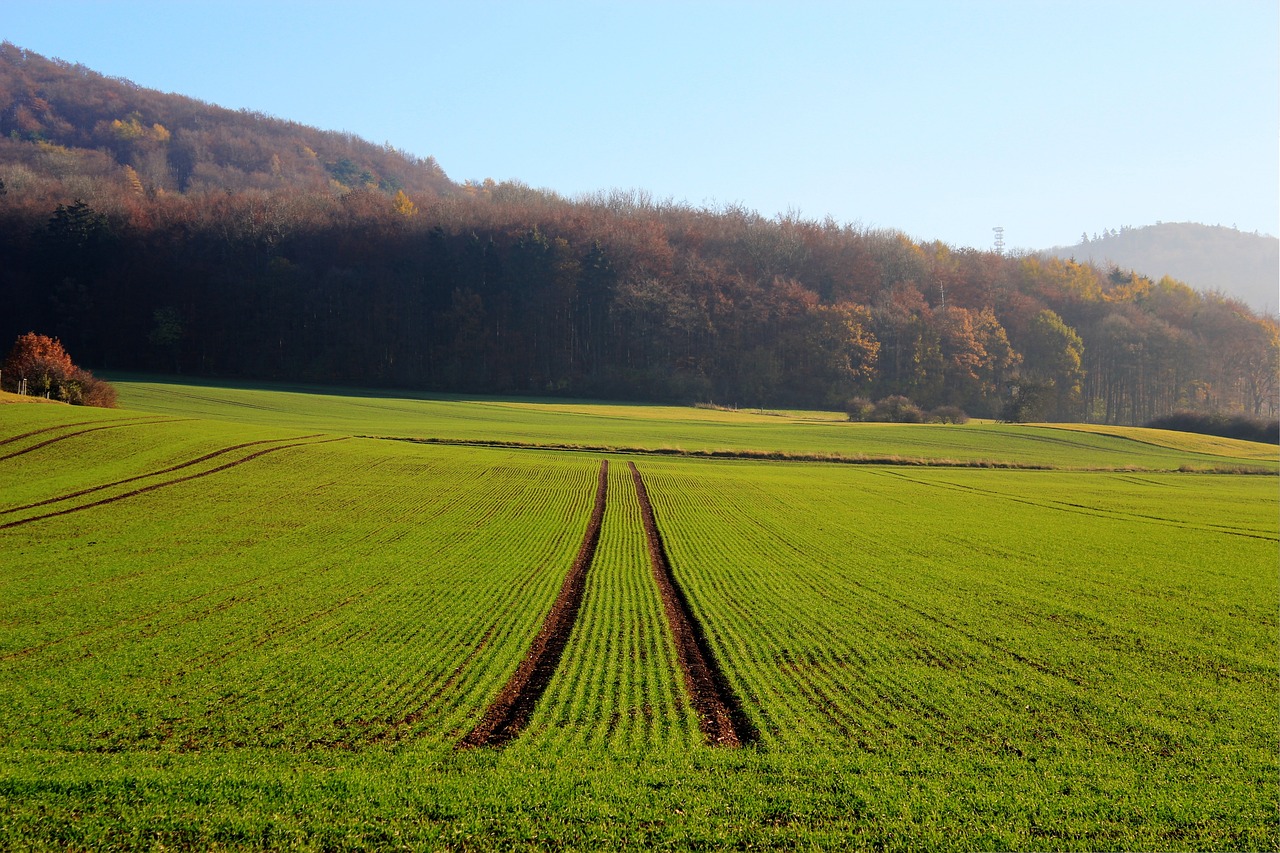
(44,366)
(38,360)
(404,205)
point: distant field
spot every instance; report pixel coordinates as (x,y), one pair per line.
(668,427)
(225,621)
(1186,441)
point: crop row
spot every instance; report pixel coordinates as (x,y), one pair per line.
(1054,629)
(618,684)
(904,616)
(507,715)
(323,594)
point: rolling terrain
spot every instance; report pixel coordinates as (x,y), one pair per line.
(230,617)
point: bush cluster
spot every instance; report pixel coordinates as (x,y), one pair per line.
(39,366)
(897,409)
(1216,423)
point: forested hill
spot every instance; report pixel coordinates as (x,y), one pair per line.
(153,232)
(1208,257)
(100,129)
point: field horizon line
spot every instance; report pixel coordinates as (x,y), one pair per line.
(830,458)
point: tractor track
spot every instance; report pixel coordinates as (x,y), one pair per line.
(137,477)
(509,713)
(719,712)
(154,486)
(56,439)
(11,439)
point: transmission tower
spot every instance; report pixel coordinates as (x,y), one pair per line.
(999,229)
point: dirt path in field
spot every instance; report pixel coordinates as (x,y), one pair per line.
(174,482)
(168,470)
(719,712)
(511,710)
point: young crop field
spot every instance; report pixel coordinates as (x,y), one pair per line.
(670,429)
(235,622)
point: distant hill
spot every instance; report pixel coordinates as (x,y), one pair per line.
(56,117)
(1207,257)
(154,232)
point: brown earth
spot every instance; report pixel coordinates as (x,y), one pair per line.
(508,714)
(719,712)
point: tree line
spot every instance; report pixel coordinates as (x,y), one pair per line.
(372,268)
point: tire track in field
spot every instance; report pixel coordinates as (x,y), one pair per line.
(719,712)
(511,710)
(11,439)
(56,439)
(154,486)
(162,471)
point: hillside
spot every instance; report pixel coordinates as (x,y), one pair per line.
(151,232)
(63,119)
(1208,257)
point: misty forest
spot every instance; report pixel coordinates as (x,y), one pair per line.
(153,232)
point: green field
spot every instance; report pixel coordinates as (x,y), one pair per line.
(229,620)
(567,424)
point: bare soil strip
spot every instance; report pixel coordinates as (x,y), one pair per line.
(154,486)
(719,711)
(162,471)
(510,711)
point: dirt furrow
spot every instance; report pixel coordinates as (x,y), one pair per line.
(511,710)
(162,471)
(719,712)
(154,486)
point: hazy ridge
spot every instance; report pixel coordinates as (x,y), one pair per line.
(1240,264)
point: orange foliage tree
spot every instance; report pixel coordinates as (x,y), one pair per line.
(47,369)
(40,360)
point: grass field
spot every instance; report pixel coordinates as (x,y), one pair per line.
(227,620)
(605,425)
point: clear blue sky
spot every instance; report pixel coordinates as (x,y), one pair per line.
(941,119)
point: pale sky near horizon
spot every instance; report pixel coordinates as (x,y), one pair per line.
(939,118)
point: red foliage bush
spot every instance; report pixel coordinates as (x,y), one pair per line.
(48,371)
